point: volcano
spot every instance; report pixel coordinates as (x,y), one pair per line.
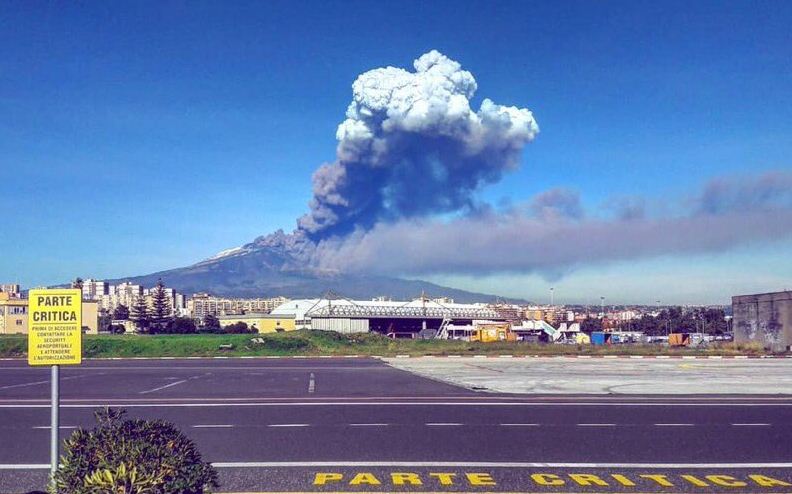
(277,265)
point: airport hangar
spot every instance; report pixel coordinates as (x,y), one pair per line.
(424,317)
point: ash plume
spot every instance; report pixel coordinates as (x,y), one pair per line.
(545,238)
(412,146)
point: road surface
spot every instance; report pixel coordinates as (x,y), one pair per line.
(355,424)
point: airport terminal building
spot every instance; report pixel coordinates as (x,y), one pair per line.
(764,318)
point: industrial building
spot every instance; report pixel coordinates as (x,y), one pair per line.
(421,317)
(764,318)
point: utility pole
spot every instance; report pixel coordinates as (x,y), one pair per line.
(552,304)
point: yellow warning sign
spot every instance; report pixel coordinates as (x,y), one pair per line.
(55,322)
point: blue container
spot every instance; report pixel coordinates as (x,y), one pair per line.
(599,338)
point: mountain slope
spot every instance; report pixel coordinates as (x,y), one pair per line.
(272,266)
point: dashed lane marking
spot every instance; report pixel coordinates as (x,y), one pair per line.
(596,425)
(213,426)
(39,383)
(289,425)
(176,383)
(368,425)
(674,425)
(443,424)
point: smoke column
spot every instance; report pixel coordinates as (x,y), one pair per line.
(412,146)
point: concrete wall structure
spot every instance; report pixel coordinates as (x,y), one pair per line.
(764,318)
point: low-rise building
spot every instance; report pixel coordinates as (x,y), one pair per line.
(12,289)
(13,314)
(263,323)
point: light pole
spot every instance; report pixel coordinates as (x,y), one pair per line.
(552,304)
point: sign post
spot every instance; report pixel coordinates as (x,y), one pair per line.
(55,339)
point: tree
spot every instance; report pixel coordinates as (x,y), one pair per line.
(237,328)
(121,313)
(77,283)
(180,325)
(161,313)
(117,329)
(105,320)
(590,324)
(140,314)
(211,324)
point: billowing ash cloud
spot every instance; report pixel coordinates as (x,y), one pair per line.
(728,213)
(412,146)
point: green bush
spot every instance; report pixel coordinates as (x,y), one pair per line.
(132,457)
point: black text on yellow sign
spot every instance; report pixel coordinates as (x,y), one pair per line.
(486,479)
(55,327)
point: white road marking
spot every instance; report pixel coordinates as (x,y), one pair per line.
(122,403)
(311,383)
(213,426)
(38,383)
(596,425)
(289,425)
(368,425)
(674,425)
(442,424)
(751,425)
(519,425)
(59,427)
(176,383)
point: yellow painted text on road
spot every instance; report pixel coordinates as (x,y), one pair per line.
(542,479)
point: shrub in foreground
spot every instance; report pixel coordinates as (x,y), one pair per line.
(132,457)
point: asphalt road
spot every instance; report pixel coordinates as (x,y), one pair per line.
(360,425)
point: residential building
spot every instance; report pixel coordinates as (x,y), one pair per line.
(203,304)
(94,289)
(12,289)
(13,314)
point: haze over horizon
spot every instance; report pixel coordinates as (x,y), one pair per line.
(139,143)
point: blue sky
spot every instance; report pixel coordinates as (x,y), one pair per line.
(142,136)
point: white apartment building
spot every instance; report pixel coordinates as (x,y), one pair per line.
(95,289)
(203,304)
(12,289)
